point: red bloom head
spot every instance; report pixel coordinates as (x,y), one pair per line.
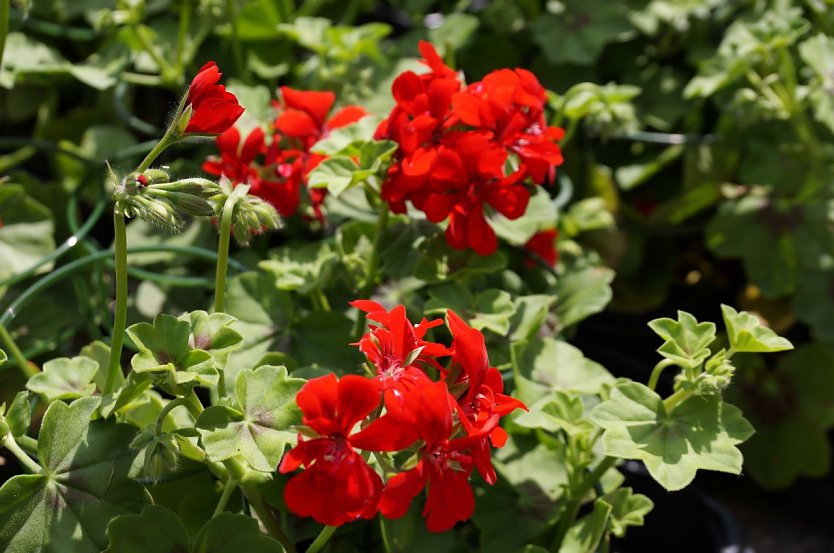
(213,109)
(337,486)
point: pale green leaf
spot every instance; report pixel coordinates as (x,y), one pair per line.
(687,340)
(700,433)
(747,334)
(65,378)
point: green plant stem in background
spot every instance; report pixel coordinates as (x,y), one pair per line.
(262,509)
(5,11)
(28,369)
(25,460)
(120,316)
(322,539)
(571,509)
(372,266)
(165,68)
(223,253)
(237,51)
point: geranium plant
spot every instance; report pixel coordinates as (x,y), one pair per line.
(405,364)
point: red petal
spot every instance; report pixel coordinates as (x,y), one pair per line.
(314,103)
(213,116)
(358,396)
(297,124)
(439,206)
(479,234)
(346,116)
(252,146)
(450,500)
(400,491)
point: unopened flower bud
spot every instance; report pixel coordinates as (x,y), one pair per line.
(158,455)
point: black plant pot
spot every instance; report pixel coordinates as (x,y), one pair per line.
(688,521)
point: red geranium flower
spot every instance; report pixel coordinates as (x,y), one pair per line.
(304,115)
(425,414)
(338,486)
(396,348)
(213,109)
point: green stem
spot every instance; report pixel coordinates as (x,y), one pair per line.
(372,266)
(658,369)
(192,403)
(223,253)
(228,489)
(120,317)
(320,299)
(27,444)
(571,509)
(170,406)
(237,51)
(29,370)
(167,140)
(322,539)
(185,22)
(676,399)
(5,11)
(165,68)
(266,517)
(27,462)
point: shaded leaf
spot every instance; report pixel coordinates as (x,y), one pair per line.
(65,378)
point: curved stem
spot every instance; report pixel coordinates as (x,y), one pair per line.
(29,370)
(120,317)
(658,369)
(170,406)
(223,253)
(27,462)
(322,539)
(676,399)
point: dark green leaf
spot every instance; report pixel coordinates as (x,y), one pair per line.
(84,485)
(155,530)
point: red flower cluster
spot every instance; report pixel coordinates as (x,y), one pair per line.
(276,167)
(213,108)
(461,147)
(448,424)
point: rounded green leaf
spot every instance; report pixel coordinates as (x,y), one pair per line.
(260,428)
(155,530)
(700,433)
(84,484)
(65,378)
(229,532)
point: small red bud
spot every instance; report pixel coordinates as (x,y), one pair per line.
(142,180)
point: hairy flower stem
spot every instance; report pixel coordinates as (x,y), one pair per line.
(29,370)
(120,317)
(27,462)
(676,399)
(170,406)
(571,509)
(322,539)
(372,266)
(223,253)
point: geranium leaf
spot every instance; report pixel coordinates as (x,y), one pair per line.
(155,530)
(301,267)
(160,530)
(530,314)
(628,509)
(165,350)
(558,411)
(582,292)
(100,353)
(585,534)
(687,340)
(491,309)
(259,429)
(84,484)
(19,415)
(747,334)
(700,433)
(65,378)
(26,235)
(231,532)
(335,173)
(213,333)
(545,364)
